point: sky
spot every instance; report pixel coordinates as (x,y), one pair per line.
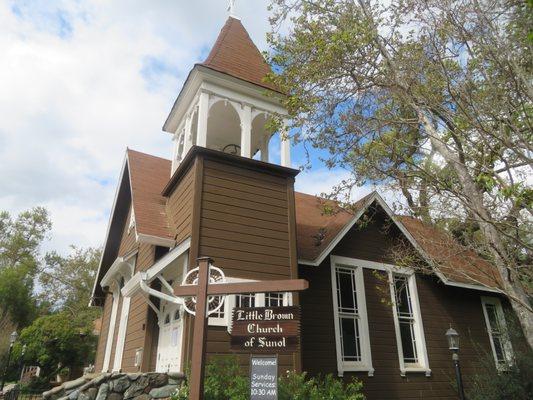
(81,80)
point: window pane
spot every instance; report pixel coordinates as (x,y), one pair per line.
(408,342)
(346,290)
(403,297)
(274,299)
(498,348)
(406,318)
(246,300)
(493,318)
(350,339)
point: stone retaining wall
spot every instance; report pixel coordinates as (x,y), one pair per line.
(118,386)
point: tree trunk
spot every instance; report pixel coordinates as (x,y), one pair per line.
(511,285)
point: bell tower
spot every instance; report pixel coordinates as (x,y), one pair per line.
(225,103)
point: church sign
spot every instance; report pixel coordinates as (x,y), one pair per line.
(266,329)
(263,378)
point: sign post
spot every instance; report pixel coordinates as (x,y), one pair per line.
(201,290)
(264,377)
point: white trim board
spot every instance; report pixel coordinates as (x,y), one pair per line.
(155,240)
(365,364)
(111,215)
(374,196)
(507,347)
(420,339)
(134,284)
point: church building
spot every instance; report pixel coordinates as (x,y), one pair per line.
(225,195)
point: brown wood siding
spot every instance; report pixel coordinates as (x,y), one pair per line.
(179,207)
(102,339)
(137,318)
(245,226)
(440,306)
(128,241)
(244,221)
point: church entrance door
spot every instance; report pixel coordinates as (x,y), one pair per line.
(170,338)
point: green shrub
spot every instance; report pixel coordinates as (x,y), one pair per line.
(298,387)
(225,381)
(515,381)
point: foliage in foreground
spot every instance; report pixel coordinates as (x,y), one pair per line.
(225,380)
(58,343)
(514,382)
(432,99)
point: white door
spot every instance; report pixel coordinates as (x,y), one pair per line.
(170,337)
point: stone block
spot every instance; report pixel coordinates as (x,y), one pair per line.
(176,375)
(73,395)
(101,379)
(157,380)
(137,387)
(102,392)
(119,385)
(164,391)
(114,396)
(143,396)
(89,394)
(74,384)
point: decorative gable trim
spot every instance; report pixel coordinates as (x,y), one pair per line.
(341,234)
(122,176)
(375,197)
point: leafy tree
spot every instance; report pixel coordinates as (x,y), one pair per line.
(58,341)
(67,282)
(20,239)
(432,98)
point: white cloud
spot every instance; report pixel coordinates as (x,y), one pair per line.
(80,81)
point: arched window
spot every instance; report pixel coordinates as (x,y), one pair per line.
(167,318)
(177,315)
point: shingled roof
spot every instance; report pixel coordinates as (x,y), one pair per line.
(458,263)
(317,231)
(235,54)
(148,176)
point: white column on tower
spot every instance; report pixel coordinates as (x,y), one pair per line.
(285,146)
(203,113)
(187,143)
(264,147)
(246,131)
(175,155)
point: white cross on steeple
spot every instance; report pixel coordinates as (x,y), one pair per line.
(231,8)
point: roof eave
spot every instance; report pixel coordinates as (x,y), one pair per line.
(202,73)
(215,154)
(376,197)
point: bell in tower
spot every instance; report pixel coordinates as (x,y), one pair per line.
(225,103)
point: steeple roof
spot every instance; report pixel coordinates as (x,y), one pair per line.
(235,54)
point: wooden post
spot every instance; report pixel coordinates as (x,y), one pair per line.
(201,291)
(196,384)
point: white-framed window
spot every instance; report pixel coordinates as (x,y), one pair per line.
(497,330)
(410,340)
(350,317)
